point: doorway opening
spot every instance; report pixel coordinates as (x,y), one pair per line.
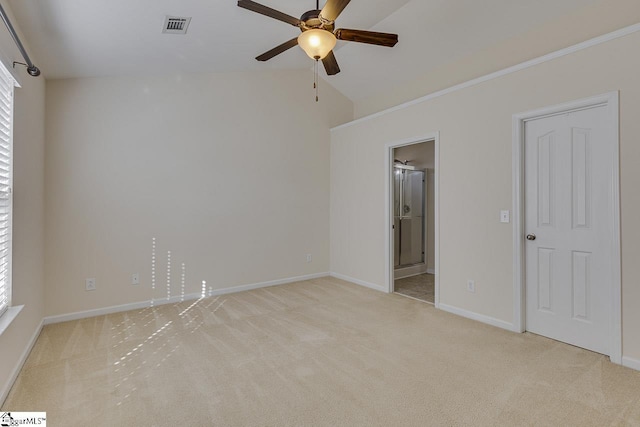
(412,173)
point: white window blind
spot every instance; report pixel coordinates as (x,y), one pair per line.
(7,84)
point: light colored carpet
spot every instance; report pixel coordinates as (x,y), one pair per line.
(317,353)
(422,287)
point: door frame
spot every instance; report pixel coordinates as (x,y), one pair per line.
(611,102)
(388,201)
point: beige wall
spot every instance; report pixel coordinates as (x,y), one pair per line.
(475,178)
(230,172)
(585,23)
(28,213)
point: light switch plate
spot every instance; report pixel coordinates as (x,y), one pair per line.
(505,217)
(471,286)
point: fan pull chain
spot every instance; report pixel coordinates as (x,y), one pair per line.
(315,78)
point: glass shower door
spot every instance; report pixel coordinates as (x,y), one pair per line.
(408,217)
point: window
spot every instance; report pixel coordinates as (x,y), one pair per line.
(7,83)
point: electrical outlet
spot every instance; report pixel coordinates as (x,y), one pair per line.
(309,258)
(90,285)
(135,279)
(505,217)
(471,286)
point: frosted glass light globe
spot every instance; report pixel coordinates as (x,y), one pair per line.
(317,43)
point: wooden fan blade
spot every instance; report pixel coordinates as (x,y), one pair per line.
(267,11)
(370,37)
(333,8)
(277,50)
(331,64)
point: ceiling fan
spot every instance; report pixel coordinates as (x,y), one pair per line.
(319,35)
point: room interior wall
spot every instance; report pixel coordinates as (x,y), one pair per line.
(475,178)
(563,31)
(229,172)
(28,211)
(422,156)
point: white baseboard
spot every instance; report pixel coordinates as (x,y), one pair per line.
(115,309)
(407,275)
(359,282)
(431,271)
(475,316)
(631,363)
(414,270)
(4,392)
(249,287)
(173,300)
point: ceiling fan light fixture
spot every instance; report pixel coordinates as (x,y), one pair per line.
(317,43)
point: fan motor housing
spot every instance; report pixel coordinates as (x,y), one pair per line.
(312,19)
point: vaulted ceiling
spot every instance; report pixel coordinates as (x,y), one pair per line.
(71,38)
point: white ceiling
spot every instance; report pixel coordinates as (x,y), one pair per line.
(71,38)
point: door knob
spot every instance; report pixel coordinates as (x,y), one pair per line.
(531,237)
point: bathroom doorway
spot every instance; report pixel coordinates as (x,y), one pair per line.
(413,220)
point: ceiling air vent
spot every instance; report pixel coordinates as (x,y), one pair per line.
(176,24)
